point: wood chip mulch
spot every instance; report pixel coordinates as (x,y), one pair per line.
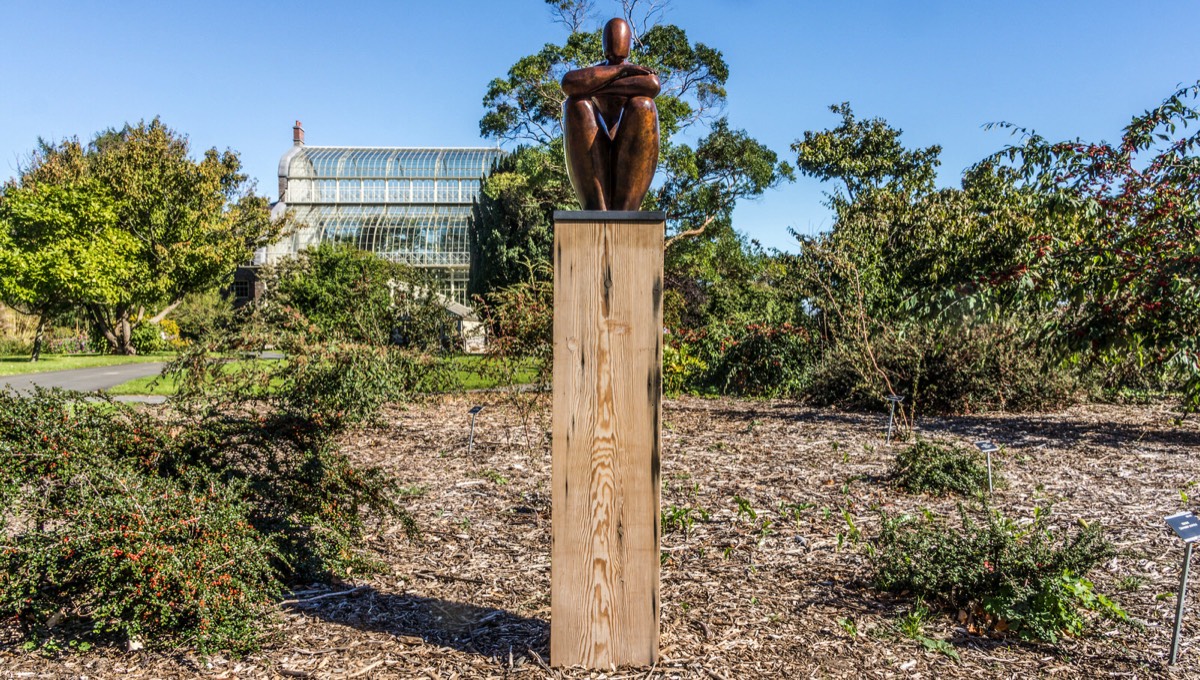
(784,594)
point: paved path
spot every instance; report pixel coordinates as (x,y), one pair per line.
(82,379)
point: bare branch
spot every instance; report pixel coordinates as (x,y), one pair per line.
(643,15)
(691,232)
(157,318)
(572,14)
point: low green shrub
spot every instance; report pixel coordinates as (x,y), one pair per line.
(274,424)
(148,337)
(15,346)
(96,543)
(940,468)
(754,360)
(350,295)
(1027,578)
(71,344)
(183,530)
(764,361)
(955,368)
(683,370)
(138,556)
(203,314)
(520,317)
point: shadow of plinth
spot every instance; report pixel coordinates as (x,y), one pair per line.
(489,632)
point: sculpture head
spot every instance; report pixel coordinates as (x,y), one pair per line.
(616,38)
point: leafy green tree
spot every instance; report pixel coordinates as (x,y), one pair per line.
(60,247)
(699,185)
(189,222)
(865,155)
(896,287)
(349,294)
(898,244)
(704,184)
(527,104)
(512,220)
(1126,285)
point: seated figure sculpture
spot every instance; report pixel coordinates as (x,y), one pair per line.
(611,127)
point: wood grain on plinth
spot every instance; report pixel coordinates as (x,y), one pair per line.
(604,581)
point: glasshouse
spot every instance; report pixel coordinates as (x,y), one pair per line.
(411,205)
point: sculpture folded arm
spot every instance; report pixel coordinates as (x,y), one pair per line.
(633,86)
(588,82)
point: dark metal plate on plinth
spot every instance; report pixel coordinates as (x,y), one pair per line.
(609,216)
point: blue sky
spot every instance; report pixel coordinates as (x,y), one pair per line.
(236,74)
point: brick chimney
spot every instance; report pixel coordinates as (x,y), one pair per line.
(298,134)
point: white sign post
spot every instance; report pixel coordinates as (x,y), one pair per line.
(987,448)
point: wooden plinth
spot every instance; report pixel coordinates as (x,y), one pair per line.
(606,438)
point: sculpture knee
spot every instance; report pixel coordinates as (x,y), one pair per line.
(579,107)
(644,105)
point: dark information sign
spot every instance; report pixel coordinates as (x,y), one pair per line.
(1186,526)
(475,410)
(986,447)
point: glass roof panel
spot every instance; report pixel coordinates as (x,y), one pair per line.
(399,163)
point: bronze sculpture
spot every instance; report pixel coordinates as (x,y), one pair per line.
(611,126)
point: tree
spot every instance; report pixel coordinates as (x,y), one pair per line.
(705,184)
(1128,284)
(189,222)
(354,295)
(60,247)
(896,285)
(698,185)
(865,155)
(907,245)
(527,105)
(512,226)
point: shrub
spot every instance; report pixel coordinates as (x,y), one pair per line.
(156,337)
(1030,579)
(140,555)
(17,346)
(764,361)
(521,316)
(203,314)
(956,368)
(940,468)
(183,530)
(71,344)
(273,424)
(352,295)
(683,370)
(97,543)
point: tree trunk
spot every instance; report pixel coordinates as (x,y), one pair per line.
(39,337)
(116,329)
(125,336)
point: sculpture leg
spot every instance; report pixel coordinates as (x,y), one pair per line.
(588,152)
(635,155)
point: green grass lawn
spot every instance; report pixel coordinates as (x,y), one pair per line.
(151,384)
(472,373)
(20,365)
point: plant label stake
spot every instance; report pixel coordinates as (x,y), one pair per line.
(894,399)
(1187,527)
(471,440)
(987,448)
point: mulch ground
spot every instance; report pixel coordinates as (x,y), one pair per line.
(471,599)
